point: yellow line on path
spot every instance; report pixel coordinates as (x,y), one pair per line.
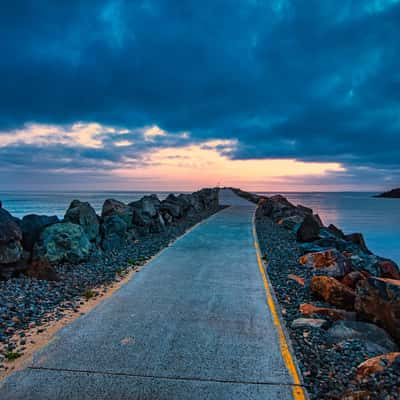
(298,391)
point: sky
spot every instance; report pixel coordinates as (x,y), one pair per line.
(279,95)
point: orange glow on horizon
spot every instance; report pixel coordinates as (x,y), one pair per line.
(197,166)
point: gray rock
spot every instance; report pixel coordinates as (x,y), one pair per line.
(62,242)
(172,206)
(146,214)
(115,207)
(363,331)
(83,214)
(32,225)
(309,323)
(114,231)
(309,229)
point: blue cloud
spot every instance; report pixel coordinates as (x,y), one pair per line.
(315,80)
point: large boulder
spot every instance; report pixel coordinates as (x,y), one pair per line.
(83,214)
(378,300)
(366,332)
(172,206)
(62,242)
(32,225)
(114,232)
(333,292)
(11,251)
(309,229)
(146,215)
(329,262)
(115,207)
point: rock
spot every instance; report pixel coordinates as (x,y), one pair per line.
(303,210)
(148,205)
(388,269)
(377,364)
(62,242)
(265,207)
(334,313)
(336,231)
(83,214)
(365,263)
(391,194)
(311,247)
(114,232)
(10,238)
(146,214)
(32,225)
(358,239)
(297,279)
(309,323)
(333,292)
(309,229)
(172,206)
(328,262)
(11,251)
(291,223)
(378,300)
(42,269)
(115,207)
(352,278)
(344,330)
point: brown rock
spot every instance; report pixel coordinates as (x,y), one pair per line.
(43,270)
(376,364)
(352,278)
(388,269)
(333,292)
(334,313)
(297,279)
(378,300)
(329,262)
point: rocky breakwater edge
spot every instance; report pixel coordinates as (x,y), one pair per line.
(51,269)
(340,302)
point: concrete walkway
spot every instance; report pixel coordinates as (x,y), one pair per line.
(193,324)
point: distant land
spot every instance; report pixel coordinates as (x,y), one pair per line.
(394,194)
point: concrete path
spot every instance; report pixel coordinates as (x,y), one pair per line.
(193,324)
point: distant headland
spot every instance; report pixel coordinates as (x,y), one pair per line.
(393,194)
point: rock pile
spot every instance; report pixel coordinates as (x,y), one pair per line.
(38,241)
(341,302)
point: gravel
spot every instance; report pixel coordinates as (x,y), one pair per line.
(328,369)
(27,303)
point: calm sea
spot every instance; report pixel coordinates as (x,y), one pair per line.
(377,219)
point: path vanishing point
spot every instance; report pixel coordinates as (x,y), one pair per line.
(198,322)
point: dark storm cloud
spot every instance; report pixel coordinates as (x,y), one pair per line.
(312,80)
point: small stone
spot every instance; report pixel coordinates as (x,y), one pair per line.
(309,323)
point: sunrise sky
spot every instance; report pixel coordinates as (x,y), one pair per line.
(281,95)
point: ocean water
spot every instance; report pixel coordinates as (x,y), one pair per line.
(56,203)
(377,219)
